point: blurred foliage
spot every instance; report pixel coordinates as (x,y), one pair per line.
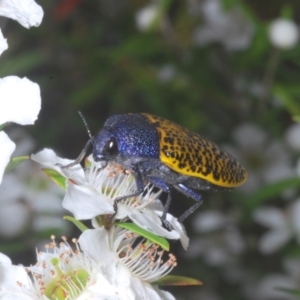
(92,57)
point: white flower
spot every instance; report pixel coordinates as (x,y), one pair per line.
(229,28)
(146,17)
(33,209)
(15,282)
(109,267)
(20,99)
(269,288)
(33,200)
(266,160)
(26,12)
(166,73)
(284,34)
(219,239)
(121,251)
(20,102)
(91,193)
(3,43)
(292,136)
(283,225)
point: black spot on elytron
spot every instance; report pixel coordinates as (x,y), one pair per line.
(181,166)
(169,140)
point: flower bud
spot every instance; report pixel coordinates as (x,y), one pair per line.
(283,34)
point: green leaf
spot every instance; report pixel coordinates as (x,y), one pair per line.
(21,63)
(76,222)
(291,102)
(14,162)
(2,126)
(296,118)
(177,280)
(287,12)
(162,242)
(272,190)
(13,247)
(56,177)
(289,291)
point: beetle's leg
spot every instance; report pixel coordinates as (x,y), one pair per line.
(191,194)
(159,183)
(140,188)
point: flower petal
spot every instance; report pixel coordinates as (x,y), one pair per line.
(84,203)
(6,150)
(4,259)
(273,240)
(151,224)
(179,228)
(20,100)
(270,217)
(91,241)
(147,16)
(26,12)
(13,280)
(284,34)
(48,158)
(3,43)
(209,221)
(270,287)
(163,294)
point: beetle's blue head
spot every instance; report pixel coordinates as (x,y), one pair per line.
(105,146)
(123,137)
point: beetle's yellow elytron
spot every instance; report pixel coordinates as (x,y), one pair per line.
(190,154)
(167,155)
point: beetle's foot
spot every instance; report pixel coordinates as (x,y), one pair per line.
(168,225)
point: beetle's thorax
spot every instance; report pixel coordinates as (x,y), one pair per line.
(134,138)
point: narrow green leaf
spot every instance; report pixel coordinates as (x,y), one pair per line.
(2,126)
(162,242)
(14,162)
(289,291)
(268,192)
(77,223)
(13,247)
(56,177)
(177,280)
(290,101)
(22,63)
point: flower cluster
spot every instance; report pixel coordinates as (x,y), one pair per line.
(109,261)
(127,260)
(13,106)
(124,255)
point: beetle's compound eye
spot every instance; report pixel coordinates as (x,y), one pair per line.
(111,148)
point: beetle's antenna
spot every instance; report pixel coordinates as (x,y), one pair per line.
(85,124)
(84,150)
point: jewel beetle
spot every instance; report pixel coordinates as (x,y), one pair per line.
(165,154)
